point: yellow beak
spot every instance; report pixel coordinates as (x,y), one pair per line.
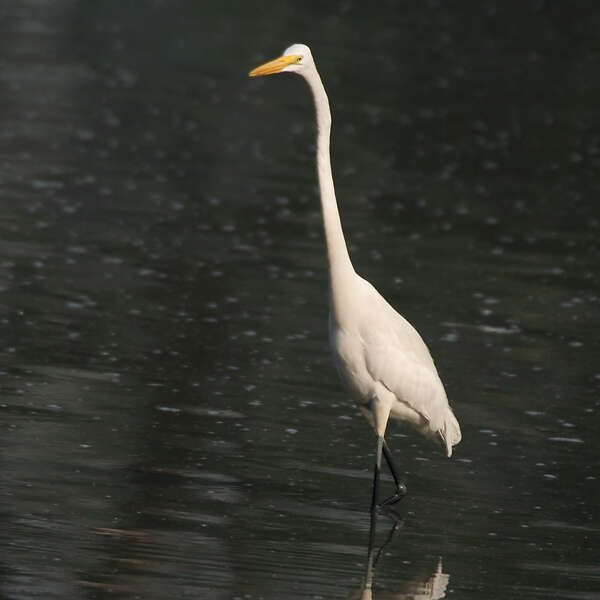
(275,66)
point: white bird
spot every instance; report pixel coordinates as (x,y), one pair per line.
(379,356)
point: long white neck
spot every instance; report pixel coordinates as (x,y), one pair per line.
(340,267)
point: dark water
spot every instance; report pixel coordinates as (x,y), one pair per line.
(172,425)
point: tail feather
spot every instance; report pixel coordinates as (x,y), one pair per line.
(450,432)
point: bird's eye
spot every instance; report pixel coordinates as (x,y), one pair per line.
(299,59)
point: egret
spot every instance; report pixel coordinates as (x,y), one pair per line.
(380,357)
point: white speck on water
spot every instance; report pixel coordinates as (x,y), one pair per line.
(77,250)
(74,305)
(499,330)
(449,337)
(43,184)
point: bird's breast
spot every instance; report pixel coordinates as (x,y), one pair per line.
(349,358)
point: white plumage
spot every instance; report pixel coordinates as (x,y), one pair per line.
(379,355)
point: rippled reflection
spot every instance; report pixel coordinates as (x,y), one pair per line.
(432,587)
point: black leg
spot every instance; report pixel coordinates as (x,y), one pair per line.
(400,487)
(377,472)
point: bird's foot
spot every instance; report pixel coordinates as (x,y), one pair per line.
(400,493)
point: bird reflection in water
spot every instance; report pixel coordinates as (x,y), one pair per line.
(417,588)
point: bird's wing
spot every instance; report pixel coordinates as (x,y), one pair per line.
(397,357)
(415,385)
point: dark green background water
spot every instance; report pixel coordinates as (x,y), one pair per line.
(172,425)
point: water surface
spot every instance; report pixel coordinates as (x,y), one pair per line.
(173,425)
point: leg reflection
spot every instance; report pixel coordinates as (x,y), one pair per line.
(374,552)
(415,586)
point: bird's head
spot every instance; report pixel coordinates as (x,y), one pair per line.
(295,59)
